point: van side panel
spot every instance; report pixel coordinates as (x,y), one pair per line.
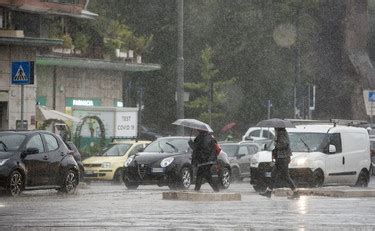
(356,154)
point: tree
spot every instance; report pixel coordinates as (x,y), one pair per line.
(208,94)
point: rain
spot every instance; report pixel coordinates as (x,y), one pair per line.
(112,112)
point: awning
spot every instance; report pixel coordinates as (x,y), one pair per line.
(94,64)
(30,41)
(363,66)
(43,113)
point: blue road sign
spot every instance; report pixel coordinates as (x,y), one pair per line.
(371,96)
(21,72)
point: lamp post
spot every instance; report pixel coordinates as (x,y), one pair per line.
(180,64)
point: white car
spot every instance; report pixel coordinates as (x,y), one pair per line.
(259,133)
(322,155)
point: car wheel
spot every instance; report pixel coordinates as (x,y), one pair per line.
(70,182)
(225,178)
(259,188)
(184,180)
(317,179)
(117,176)
(129,184)
(15,184)
(235,175)
(363,179)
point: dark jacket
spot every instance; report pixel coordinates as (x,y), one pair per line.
(203,149)
(282,144)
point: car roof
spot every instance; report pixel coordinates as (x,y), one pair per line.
(24,132)
(324,128)
(131,142)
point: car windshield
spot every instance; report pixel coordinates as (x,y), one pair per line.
(11,142)
(306,142)
(168,145)
(229,149)
(116,150)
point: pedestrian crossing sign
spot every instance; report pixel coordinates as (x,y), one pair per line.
(22,72)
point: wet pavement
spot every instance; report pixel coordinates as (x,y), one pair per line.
(104,206)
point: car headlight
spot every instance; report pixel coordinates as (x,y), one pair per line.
(3,161)
(128,161)
(106,165)
(253,162)
(167,161)
(299,162)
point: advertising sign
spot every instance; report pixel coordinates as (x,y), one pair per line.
(126,124)
(118,122)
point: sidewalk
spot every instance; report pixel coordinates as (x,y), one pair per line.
(338,191)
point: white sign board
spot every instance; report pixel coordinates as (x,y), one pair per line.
(126,124)
(118,122)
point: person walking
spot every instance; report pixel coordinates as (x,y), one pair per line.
(281,154)
(204,157)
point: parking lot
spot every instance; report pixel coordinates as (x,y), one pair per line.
(103,206)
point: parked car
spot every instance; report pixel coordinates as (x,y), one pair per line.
(108,164)
(167,162)
(259,133)
(322,155)
(240,154)
(372,149)
(77,158)
(36,160)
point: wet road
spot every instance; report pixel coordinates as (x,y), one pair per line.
(103,206)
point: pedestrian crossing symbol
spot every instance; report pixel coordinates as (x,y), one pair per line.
(22,72)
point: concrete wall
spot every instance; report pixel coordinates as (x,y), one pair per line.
(78,83)
(12,93)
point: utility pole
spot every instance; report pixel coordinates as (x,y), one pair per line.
(297,67)
(180,64)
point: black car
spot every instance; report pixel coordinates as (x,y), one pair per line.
(167,162)
(36,160)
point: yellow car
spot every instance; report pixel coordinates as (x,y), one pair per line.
(108,165)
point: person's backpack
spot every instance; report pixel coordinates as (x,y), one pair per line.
(217,147)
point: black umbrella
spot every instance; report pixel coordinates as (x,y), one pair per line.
(276,123)
(194,124)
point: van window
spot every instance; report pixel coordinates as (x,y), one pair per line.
(335,139)
(306,141)
(255,133)
(267,134)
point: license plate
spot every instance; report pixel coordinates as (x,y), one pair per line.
(267,174)
(156,170)
(89,172)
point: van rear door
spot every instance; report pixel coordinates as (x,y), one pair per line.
(356,154)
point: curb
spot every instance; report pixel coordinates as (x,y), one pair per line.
(199,196)
(329,192)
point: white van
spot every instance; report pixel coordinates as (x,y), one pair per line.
(259,133)
(322,155)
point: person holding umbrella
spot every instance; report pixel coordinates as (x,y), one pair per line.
(282,155)
(204,151)
(204,157)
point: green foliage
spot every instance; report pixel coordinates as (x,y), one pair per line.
(209,94)
(80,41)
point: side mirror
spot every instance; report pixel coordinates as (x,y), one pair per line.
(240,155)
(248,138)
(332,149)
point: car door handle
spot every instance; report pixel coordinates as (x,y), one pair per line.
(45,157)
(343,160)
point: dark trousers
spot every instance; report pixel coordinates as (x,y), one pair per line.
(280,172)
(204,172)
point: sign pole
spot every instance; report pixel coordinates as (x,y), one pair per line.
(22,99)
